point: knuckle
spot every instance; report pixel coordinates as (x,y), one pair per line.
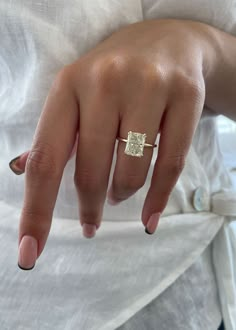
(34,214)
(62,79)
(37,218)
(194,89)
(105,72)
(85,181)
(154,76)
(90,216)
(174,165)
(189,86)
(117,63)
(110,71)
(40,162)
(128,184)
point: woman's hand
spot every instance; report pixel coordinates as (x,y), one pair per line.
(148,77)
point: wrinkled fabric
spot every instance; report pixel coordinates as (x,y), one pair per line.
(162,313)
(99,283)
(224,252)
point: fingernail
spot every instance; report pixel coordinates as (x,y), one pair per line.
(15,166)
(28,250)
(152,223)
(89,230)
(112,202)
(110,199)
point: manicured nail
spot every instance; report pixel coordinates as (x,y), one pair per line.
(110,199)
(28,250)
(15,166)
(152,223)
(89,230)
(112,202)
(25,268)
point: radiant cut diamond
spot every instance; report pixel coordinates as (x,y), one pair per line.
(135,144)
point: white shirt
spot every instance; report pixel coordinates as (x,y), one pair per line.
(99,283)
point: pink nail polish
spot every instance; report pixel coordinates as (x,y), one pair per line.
(152,223)
(110,199)
(112,202)
(89,230)
(28,251)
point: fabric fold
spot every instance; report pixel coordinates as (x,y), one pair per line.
(114,281)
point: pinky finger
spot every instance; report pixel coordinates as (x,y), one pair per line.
(175,140)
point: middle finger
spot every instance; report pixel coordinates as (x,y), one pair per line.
(99,122)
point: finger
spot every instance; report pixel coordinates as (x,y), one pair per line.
(17,165)
(99,120)
(52,144)
(142,113)
(179,125)
(130,172)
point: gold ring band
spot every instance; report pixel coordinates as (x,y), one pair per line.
(145,144)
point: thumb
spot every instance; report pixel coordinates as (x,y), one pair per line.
(17,165)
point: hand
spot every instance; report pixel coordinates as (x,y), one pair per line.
(147,77)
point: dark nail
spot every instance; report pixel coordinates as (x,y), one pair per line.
(25,268)
(14,167)
(146,231)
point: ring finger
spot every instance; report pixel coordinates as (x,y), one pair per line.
(130,172)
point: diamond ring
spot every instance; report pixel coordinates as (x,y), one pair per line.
(135,144)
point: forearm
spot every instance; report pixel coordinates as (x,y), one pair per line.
(220,75)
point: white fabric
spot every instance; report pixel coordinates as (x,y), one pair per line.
(224,203)
(224,253)
(99,283)
(227,132)
(178,307)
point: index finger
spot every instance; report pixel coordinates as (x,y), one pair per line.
(50,151)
